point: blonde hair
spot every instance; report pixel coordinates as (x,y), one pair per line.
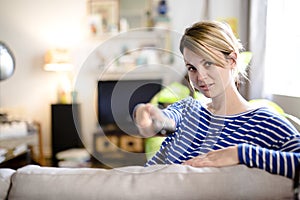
(204,37)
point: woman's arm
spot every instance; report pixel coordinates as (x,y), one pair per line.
(274,161)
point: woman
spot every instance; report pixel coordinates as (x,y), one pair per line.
(227,131)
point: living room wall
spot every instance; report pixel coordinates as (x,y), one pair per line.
(30,27)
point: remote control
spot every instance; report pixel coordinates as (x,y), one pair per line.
(164,127)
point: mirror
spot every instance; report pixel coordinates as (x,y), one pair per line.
(7,62)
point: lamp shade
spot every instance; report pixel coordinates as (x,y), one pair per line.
(58,60)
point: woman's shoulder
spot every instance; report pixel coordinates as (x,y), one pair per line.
(271,118)
(267,113)
(263,114)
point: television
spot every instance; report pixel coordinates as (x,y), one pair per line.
(118,98)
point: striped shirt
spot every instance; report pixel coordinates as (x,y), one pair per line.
(265,139)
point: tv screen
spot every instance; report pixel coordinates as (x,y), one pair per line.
(117,99)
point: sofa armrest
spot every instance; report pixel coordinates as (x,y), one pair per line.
(5,182)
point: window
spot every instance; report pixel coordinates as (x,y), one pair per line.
(283,48)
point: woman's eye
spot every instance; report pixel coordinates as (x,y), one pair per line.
(192,69)
(208,64)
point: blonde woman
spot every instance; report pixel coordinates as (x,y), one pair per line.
(227,131)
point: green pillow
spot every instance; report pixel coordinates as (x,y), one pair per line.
(152,145)
(267,103)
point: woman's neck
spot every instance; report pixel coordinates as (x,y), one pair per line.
(229,103)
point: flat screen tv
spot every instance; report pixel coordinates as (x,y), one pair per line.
(117,99)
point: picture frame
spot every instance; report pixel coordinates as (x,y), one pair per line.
(103,16)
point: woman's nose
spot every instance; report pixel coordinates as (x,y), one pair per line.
(201,75)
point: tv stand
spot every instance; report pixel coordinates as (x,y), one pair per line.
(114,147)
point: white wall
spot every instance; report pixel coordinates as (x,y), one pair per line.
(30,27)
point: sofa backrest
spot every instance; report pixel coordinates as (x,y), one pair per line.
(155,182)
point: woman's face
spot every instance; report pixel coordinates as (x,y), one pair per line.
(207,77)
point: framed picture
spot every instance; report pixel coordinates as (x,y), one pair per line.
(103,16)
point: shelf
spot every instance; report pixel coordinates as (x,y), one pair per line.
(17,160)
(142,72)
(137,33)
(114,148)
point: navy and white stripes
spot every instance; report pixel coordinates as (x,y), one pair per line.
(265,140)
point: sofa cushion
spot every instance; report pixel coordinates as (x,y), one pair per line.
(155,182)
(5,180)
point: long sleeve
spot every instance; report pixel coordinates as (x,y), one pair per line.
(283,162)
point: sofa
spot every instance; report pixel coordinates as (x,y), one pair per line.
(137,182)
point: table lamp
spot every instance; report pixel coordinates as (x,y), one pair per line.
(59,60)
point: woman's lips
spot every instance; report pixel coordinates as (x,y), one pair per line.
(205,87)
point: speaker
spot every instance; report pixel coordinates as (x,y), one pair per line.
(65,134)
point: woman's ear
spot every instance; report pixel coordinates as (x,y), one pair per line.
(232,59)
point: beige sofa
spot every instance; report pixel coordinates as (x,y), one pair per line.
(136,182)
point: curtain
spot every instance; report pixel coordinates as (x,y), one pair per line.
(257,45)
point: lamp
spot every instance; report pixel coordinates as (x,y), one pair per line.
(59,60)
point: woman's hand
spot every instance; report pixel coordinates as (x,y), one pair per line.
(217,158)
(143,119)
(147,117)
